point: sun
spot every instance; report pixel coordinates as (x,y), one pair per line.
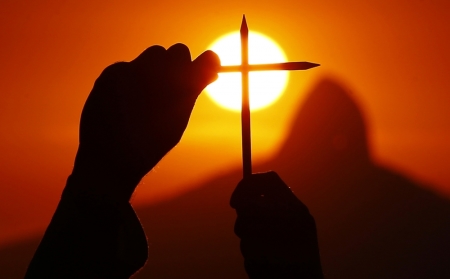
(265,87)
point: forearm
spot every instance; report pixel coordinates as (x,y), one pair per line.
(90,236)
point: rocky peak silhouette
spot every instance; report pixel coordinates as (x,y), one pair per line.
(329,132)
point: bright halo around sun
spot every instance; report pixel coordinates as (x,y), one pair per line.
(265,86)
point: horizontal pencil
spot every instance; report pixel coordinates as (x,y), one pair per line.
(288,66)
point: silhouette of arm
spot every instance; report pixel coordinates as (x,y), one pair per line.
(278,234)
(136,112)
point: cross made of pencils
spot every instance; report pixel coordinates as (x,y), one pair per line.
(245,68)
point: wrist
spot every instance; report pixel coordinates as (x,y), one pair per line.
(110,189)
(101,179)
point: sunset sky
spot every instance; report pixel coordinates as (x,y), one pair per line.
(393,55)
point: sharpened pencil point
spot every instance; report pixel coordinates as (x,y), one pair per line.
(244,27)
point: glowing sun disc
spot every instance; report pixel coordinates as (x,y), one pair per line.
(265,87)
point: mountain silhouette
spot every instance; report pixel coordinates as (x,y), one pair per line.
(371,221)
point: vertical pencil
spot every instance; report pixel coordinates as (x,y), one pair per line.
(245,112)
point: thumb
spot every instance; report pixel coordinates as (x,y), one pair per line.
(205,69)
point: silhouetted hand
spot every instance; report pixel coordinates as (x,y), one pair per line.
(278,234)
(136,113)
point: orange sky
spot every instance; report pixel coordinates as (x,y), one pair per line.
(392,54)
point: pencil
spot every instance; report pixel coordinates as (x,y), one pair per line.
(245,112)
(288,66)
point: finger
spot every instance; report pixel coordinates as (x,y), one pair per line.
(270,185)
(178,66)
(205,69)
(178,55)
(113,71)
(266,190)
(152,56)
(252,188)
(278,193)
(273,186)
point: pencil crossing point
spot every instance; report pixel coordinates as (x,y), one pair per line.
(244,69)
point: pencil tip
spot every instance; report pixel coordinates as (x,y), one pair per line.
(244,27)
